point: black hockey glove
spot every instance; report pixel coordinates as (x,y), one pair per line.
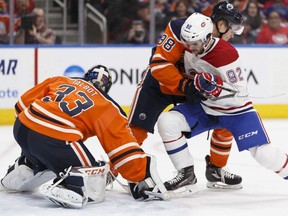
(138,190)
(186,85)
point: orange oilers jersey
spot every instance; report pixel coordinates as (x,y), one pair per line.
(168,52)
(71,110)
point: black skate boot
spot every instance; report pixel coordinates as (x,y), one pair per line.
(218,177)
(185,176)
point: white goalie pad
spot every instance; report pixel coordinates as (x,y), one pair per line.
(95,182)
(63,197)
(93,188)
(21,178)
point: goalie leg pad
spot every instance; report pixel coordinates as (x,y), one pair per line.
(95,183)
(20,177)
(17,175)
(78,186)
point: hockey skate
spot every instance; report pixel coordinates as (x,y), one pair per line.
(183,184)
(219,178)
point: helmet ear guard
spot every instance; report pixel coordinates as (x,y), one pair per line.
(100,77)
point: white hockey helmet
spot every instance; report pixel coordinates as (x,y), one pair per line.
(197,27)
(100,77)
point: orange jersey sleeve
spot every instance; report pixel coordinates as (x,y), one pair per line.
(168,52)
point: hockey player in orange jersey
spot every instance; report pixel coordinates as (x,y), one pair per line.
(54,118)
(164,84)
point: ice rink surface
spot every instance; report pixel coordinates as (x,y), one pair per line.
(263,194)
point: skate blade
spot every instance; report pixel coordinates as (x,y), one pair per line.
(220,185)
(185,191)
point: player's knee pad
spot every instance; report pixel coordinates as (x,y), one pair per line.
(270,157)
(171,124)
(20,177)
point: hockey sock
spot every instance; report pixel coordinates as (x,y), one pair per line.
(220,147)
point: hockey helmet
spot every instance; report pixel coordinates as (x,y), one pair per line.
(226,11)
(197,27)
(100,77)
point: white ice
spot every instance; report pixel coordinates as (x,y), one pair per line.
(263,194)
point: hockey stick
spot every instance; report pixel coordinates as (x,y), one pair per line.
(246,96)
(124,186)
(184,191)
(234,93)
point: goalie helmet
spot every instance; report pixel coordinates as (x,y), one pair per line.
(196,27)
(226,11)
(100,77)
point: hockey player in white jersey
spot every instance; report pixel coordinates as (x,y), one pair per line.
(215,70)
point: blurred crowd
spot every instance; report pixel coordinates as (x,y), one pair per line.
(128,21)
(28,24)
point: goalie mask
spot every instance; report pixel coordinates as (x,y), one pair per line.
(100,77)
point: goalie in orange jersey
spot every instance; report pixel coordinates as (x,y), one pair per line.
(54,118)
(164,84)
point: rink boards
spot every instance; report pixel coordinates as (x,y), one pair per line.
(23,67)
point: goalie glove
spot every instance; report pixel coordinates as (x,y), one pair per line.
(152,183)
(208,84)
(186,86)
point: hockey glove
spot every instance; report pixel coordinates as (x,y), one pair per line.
(207,84)
(152,183)
(138,189)
(186,86)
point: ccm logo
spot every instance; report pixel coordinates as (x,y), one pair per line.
(248,135)
(93,171)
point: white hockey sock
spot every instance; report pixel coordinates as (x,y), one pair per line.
(170,127)
(272,158)
(177,150)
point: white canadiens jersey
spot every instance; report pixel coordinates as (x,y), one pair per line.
(222,59)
